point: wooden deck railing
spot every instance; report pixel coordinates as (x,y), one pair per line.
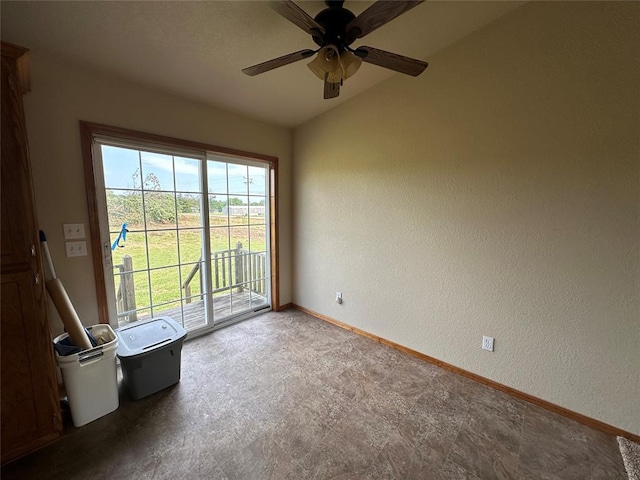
(238,268)
(126,295)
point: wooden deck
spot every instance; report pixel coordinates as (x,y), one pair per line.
(223,307)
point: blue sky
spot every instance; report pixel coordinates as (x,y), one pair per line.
(120,165)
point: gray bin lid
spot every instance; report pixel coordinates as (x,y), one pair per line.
(143,337)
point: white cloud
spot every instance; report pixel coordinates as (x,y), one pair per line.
(188,167)
(163,162)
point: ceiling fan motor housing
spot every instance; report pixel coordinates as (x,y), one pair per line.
(334,20)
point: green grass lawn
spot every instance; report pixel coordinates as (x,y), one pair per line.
(162,251)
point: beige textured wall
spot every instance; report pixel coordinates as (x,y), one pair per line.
(62,95)
(497,194)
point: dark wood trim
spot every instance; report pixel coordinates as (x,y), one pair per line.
(26,327)
(12,50)
(21,56)
(87,132)
(86,139)
(161,140)
(578,417)
(30,447)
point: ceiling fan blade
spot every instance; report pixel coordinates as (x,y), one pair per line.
(331,90)
(277,62)
(392,61)
(296,15)
(376,15)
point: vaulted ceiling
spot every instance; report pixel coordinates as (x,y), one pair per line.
(196,50)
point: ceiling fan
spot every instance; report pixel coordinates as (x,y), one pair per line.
(334,29)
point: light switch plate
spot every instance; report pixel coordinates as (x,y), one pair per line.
(73,230)
(76,249)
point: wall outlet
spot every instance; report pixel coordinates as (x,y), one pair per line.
(73,230)
(487,343)
(76,249)
(338,298)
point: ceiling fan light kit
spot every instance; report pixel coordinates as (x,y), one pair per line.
(334,29)
(349,63)
(339,67)
(327,61)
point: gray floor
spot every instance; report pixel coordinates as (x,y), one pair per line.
(287,396)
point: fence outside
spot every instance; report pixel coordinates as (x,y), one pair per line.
(238,269)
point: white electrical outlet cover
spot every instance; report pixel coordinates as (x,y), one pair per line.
(76,249)
(487,343)
(73,230)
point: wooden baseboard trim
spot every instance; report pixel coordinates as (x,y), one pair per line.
(279,308)
(24,450)
(578,417)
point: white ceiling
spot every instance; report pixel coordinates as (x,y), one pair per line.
(196,50)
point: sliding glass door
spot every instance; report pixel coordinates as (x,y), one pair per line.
(238,227)
(187,233)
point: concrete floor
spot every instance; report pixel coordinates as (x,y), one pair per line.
(287,396)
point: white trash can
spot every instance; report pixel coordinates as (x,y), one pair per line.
(90,377)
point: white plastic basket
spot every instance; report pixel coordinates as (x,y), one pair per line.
(90,377)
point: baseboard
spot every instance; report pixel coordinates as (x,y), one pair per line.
(578,417)
(279,308)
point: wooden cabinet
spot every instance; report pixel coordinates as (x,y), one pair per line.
(30,405)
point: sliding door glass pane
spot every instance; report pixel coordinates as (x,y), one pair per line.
(165,262)
(239,222)
(154,207)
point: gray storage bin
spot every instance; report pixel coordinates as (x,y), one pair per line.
(149,353)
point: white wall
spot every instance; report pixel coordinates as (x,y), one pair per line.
(63,94)
(496,194)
